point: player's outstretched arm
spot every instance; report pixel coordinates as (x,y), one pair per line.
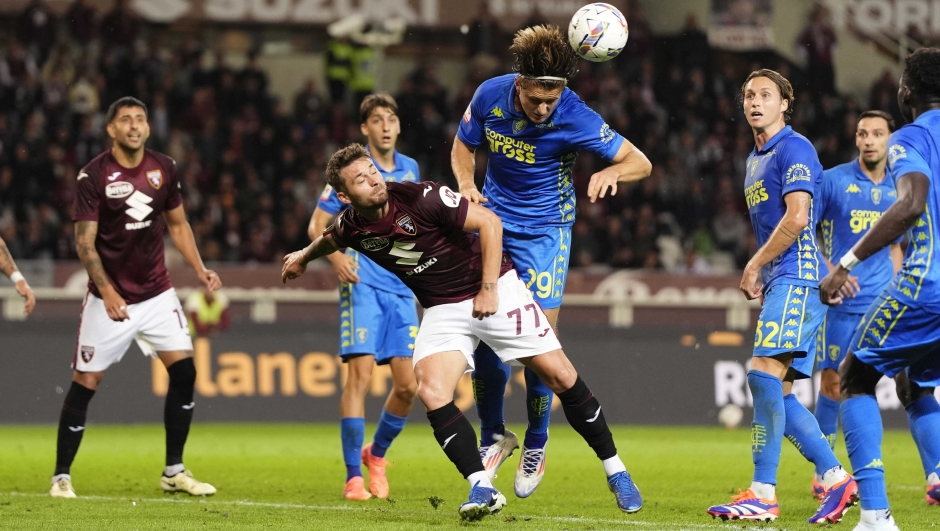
(343,265)
(490,228)
(793,222)
(463,163)
(296,262)
(629,165)
(185,242)
(85,234)
(8,267)
(912,201)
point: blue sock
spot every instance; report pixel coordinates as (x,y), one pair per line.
(923,416)
(353,432)
(489,385)
(767,427)
(827,415)
(389,427)
(538,400)
(802,430)
(861,422)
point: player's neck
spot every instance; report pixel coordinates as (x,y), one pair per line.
(127,159)
(374,214)
(763,135)
(385,160)
(875,172)
(917,110)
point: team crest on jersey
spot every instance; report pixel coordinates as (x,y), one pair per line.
(362,334)
(896,153)
(876,196)
(87,353)
(155,178)
(374,244)
(406,224)
(519,126)
(798,172)
(834,352)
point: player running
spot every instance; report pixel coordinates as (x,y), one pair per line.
(123,197)
(783,174)
(470,292)
(534,127)
(8,267)
(901,330)
(378,318)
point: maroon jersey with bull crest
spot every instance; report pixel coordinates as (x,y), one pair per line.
(128,205)
(421,240)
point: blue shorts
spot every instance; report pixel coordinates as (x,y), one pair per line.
(834,338)
(789,319)
(894,337)
(377,322)
(541,257)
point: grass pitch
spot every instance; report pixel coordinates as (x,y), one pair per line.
(289,476)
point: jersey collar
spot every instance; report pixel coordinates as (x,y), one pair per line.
(783,133)
(860,175)
(927,114)
(396,158)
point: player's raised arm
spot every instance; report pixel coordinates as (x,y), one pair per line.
(182,235)
(794,221)
(490,229)
(296,262)
(629,165)
(343,265)
(86,232)
(8,267)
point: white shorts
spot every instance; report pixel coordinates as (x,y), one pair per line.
(519,329)
(157,324)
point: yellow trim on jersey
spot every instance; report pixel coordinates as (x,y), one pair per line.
(929,251)
(783,317)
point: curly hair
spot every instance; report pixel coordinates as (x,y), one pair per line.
(543,51)
(783,85)
(339,161)
(922,74)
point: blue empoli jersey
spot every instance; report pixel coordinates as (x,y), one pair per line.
(528,177)
(370,274)
(914,148)
(787,163)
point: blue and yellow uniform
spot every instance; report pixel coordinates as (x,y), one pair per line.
(529,176)
(850,204)
(377,315)
(902,327)
(792,312)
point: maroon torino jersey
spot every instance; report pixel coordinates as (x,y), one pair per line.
(421,241)
(128,205)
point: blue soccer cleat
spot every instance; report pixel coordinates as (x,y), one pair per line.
(837,501)
(933,494)
(747,506)
(483,501)
(625,491)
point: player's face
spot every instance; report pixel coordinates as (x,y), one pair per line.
(365,187)
(763,105)
(538,103)
(382,129)
(871,139)
(130,129)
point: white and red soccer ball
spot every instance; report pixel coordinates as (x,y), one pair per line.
(598,32)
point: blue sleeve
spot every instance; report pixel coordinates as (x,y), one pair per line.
(329,202)
(826,188)
(471,129)
(799,167)
(590,131)
(906,153)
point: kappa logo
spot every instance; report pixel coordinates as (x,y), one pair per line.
(409,177)
(497,111)
(155,178)
(374,244)
(406,224)
(853,189)
(87,353)
(118,190)
(138,204)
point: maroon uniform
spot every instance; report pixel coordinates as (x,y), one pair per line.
(421,240)
(128,205)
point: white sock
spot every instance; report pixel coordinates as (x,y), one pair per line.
(833,476)
(875,516)
(933,479)
(764,491)
(818,478)
(613,465)
(173,470)
(479,478)
(56,478)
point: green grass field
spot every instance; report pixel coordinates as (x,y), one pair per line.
(286,476)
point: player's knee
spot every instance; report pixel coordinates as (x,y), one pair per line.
(358,374)
(89,380)
(432,396)
(909,391)
(182,374)
(829,384)
(857,378)
(405,392)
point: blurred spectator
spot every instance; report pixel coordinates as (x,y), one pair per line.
(120,27)
(82,21)
(36,27)
(208,312)
(484,35)
(817,42)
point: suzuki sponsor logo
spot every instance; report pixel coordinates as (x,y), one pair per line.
(422,267)
(139,205)
(118,190)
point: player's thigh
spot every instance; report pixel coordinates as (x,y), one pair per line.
(163,326)
(102,341)
(360,319)
(541,256)
(399,328)
(789,320)
(446,328)
(835,337)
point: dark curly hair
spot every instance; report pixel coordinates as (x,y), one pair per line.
(783,85)
(543,51)
(922,74)
(339,161)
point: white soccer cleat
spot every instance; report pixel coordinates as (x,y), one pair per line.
(494,455)
(530,472)
(62,488)
(185,482)
(872,522)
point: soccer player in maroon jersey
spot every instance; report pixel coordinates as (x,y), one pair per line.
(424,234)
(8,268)
(124,195)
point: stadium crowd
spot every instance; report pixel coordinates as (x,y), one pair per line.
(252,166)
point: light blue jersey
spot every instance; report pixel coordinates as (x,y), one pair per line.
(850,204)
(370,274)
(528,176)
(787,163)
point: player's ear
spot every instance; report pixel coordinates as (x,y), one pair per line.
(110,129)
(343,197)
(364,130)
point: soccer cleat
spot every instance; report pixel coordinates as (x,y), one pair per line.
(185,482)
(747,506)
(378,481)
(869,523)
(494,454)
(483,501)
(625,491)
(819,491)
(933,494)
(62,488)
(530,472)
(356,489)
(837,501)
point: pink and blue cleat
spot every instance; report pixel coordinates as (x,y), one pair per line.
(836,502)
(747,506)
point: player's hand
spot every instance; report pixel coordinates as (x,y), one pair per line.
(472,194)
(600,183)
(345,267)
(294,266)
(829,287)
(751,283)
(211,279)
(24,290)
(486,303)
(850,288)
(115,306)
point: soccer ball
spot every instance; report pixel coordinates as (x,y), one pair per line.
(598,32)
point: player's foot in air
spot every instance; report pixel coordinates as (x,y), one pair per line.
(747,506)
(483,501)
(62,488)
(625,491)
(356,489)
(819,491)
(185,482)
(933,494)
(378,481)
(530,472)
(836,502)
(494,454)
(876,521)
